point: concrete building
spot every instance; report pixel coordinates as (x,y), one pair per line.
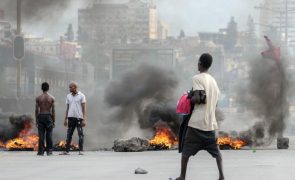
(277,18)
(216,37)
(153,22)
(5,30)
(162,31)
(45,47)
(2,16)
(134,21)
(42,46)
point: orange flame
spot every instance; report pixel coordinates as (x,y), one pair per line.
(26,130)
(164,137)
(2,145)
(234,143)
(24,140)
(28,142)
(62,144)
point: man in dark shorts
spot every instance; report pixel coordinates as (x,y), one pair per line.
(45,119)
(75,116)
(200,133)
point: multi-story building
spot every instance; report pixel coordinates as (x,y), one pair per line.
(153,22)
(216,37)
(277,20)
(5,28)
(44,47)
(110,23)
(162,30)
(1,14)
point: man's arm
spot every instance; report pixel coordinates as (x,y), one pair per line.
(84,113)
(199,94)
(66,117)
(53,111)
(36,111)
(196,97)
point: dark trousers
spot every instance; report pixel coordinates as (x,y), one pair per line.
(182,131)
(74,123)
(45,126)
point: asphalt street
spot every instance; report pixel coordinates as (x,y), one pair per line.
(263,164)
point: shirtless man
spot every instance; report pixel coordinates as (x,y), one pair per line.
(45,119)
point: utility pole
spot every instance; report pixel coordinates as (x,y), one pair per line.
(279,15)
(18,61)
(287,23)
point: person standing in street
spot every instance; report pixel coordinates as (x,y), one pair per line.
(200,134)
(45,119)
(75,116)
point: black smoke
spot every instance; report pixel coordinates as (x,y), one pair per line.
(10,127)
(265,95)
(144,94)
(36,9)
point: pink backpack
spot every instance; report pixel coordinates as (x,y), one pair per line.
(184,105)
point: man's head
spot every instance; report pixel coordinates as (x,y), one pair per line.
(45,86)
(73,87)
(205,62)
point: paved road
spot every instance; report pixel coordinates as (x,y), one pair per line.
(239,165)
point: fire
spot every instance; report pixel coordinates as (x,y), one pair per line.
(27,142)
(24,139)
(234,143)
(2,145)
(164,137)
(62,146)
(26,129)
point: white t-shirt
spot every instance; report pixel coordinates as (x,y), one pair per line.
(75,104)
(203,116)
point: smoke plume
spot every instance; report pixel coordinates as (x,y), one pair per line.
(38,16)
(35,9)
(265,95)
(145,94)
(11,127)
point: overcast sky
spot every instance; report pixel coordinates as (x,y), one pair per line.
(191,15)
(205,15)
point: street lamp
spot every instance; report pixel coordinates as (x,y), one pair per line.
(18,49)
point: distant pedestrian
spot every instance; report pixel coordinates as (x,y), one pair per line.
(75,116)
(45,119)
